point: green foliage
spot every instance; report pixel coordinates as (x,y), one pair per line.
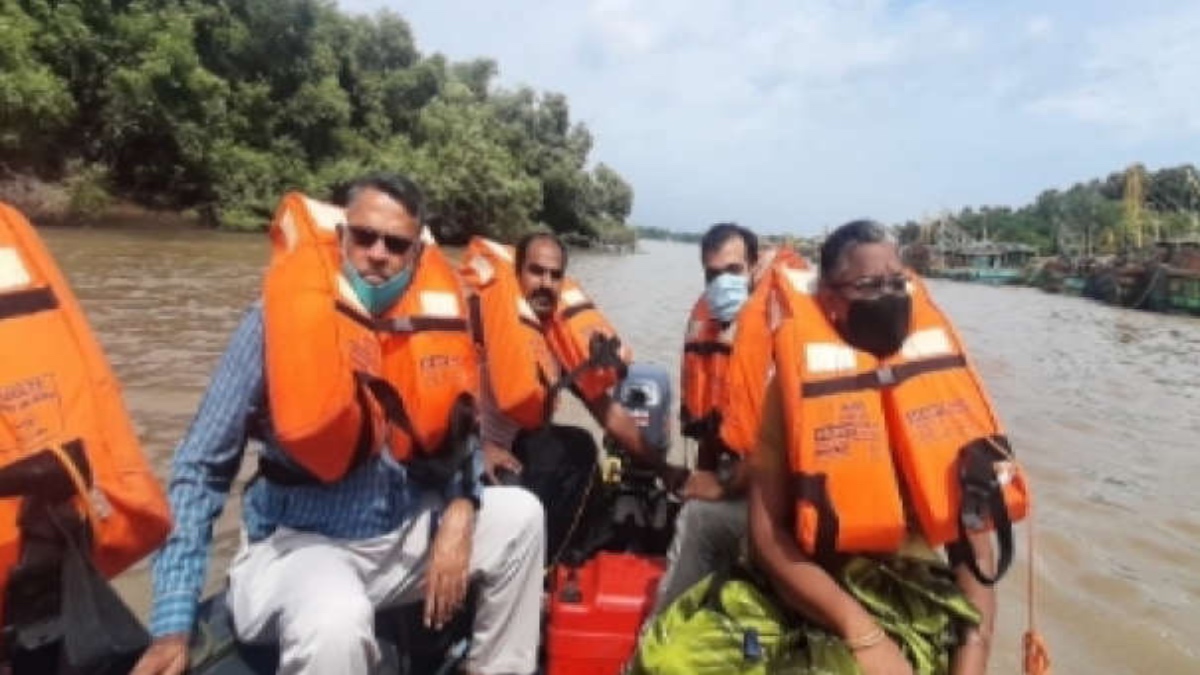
(219,106)
(87,190)
(1087,217)
(35,104)
(664,234)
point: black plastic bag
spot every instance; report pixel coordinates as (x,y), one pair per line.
(101,635)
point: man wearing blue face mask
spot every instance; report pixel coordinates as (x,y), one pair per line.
(713,519)
(321,555)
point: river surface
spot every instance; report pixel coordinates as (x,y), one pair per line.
(1102,404)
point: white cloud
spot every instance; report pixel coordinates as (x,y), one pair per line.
(798,113)
(1141,77)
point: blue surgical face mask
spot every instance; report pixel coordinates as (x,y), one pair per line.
(377,299)
(726,294)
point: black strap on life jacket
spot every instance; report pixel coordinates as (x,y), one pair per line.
(475,311)
(982,501)
(392,403)
(28,301)
(813,488)
(699,428)
(707,348)
(882,378)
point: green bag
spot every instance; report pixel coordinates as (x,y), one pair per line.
(728,624)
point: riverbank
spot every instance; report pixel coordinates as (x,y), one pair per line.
(80,201)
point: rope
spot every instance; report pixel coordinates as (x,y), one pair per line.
(583,502)
(1034,652)
(89,509)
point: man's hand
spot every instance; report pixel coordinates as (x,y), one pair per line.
(703,485)
(673,477)
(449,563)
(495,459)
(167,655)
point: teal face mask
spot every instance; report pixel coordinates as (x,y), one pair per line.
(377,299)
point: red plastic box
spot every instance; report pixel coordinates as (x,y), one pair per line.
(596,611)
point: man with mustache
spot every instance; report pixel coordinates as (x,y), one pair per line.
(555,462)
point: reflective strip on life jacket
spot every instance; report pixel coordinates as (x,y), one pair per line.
(61,393)
(850,416)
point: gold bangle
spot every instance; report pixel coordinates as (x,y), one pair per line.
(864,641)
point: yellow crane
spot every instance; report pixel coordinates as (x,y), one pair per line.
(1134,199)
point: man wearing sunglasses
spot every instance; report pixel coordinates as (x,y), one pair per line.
(712,521)
(557,462)
(319,558)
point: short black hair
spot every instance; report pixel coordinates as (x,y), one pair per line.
(397,186)
(718,234)
(526,241)
(842,240)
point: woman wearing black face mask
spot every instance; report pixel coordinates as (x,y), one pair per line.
(872,312)
(840,522)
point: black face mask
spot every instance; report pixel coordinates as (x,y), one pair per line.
(878,326)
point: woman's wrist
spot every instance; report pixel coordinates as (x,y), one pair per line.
(974,636)
(866,640)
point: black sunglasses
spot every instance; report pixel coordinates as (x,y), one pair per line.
(877,285)
(539,271)
(366,237)
(711,273)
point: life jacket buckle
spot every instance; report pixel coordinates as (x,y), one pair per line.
(886,376)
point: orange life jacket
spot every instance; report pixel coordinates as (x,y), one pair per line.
(343,383)
(576,327)
(521,368)
(702,377)
(862,433)
(58,393)
(752,360)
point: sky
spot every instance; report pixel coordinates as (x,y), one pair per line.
(791,116)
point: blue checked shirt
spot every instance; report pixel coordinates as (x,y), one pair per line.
(374,499)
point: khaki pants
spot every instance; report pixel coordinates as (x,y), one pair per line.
(317,596)
(708,537)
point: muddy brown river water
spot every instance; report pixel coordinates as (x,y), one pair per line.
(1103,406)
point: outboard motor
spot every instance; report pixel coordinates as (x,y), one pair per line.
(643,512)
(646,394)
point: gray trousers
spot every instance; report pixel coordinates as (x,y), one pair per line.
(708,536)
(316,596)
